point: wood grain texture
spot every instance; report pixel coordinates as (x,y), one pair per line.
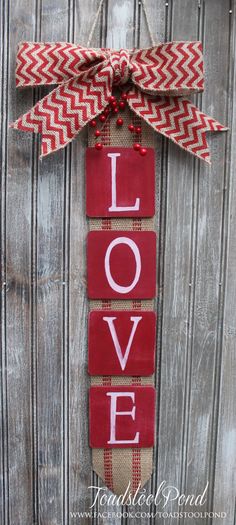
(80,473)
(206,313)
(223,496)
(51,314)
(177,252)
(45,460)
(17,369)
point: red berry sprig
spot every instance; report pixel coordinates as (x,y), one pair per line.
(113,108)
(137,130)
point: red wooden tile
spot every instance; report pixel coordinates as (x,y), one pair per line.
(120,183)
(121,265)
(121,416)
(121,342)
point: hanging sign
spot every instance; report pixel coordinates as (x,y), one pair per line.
(153,85)
(121,266)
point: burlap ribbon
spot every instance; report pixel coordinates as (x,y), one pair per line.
(130,467)
(156,79)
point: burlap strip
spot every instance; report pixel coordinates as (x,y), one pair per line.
(119,468)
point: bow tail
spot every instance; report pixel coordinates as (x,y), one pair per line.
(177,119)
(67,109)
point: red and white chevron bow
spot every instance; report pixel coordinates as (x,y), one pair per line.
(157,80)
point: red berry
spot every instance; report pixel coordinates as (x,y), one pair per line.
(112,99)
(136,146)
(97,133)
(102,118)
(114,104)
(115,110)
(106,111)
(99,146)
(143,151)
(120,122)
(93,123)
(138,130)
(131,128)
(122,105)
(124,96)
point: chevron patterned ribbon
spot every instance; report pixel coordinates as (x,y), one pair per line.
(156,80)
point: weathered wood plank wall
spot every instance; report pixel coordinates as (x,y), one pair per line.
(44,455)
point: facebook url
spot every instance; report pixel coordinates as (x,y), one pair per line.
(143,514)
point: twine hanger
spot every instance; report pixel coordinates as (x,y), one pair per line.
(143,4)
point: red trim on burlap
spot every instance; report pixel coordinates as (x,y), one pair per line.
(136,381)
(137,122)
(106,133)
(107,453)
(106,304)
(136,469)
(108,475)
(137,304)
(106,224)
(137,224)
(136,453)
(106,381)
(106,141)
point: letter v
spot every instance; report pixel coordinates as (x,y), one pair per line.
(122,358)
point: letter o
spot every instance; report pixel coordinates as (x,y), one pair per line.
(135,250)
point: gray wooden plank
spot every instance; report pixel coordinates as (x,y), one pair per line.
(175,276)
(20,449)
(156,13)
(80,463)
(80,475)
(120,23)
(225,467)
(200,420)
(3,389)
(50,306)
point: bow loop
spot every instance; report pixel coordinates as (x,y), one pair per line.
(120,63)
(41,63)
(173,68)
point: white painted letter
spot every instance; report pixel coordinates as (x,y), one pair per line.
(135,250)
(114,413)
(114,206)
(122,358)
